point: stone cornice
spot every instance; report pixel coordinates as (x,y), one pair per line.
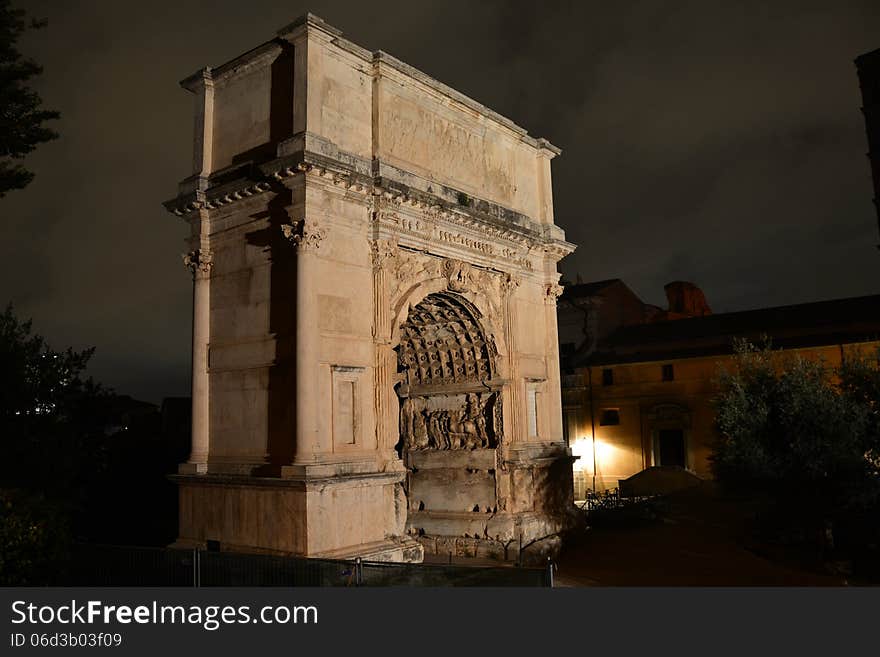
(558,249)
(304,482)
(400,208)
(261,56)
(234,67)
(194,201)
(198,79)
(308,20)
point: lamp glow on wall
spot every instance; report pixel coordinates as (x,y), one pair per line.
(593,457)
(582,449)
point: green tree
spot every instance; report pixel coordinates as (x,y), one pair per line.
(803,435)
(48,408)
(860,384)
(52,446)
(22,119)
(33,539)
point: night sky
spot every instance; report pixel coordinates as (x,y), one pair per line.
(720,143)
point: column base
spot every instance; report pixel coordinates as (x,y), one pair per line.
(342,466)
(220,467)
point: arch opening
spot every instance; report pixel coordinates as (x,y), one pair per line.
(446,366)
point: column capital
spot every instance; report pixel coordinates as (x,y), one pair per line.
(199,262)
(304,236)
(552,292)
(509,283)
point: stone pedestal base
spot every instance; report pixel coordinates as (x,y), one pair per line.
(527,538)
(338,516)
(401,550)
(511,505)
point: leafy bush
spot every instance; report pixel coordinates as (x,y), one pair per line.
(33,539)
(805,435)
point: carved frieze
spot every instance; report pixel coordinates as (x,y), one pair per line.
(405,269)
(390,218)
(458,275)
(451,422)
(433,224)
(451,237)
(409,268)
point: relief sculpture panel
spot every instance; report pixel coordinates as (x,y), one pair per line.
(447,422)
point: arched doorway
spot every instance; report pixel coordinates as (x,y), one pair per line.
(446,363)
(450,413)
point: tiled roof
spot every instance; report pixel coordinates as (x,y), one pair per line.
(839,321)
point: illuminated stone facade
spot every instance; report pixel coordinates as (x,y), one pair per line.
(375,360)
(640,394)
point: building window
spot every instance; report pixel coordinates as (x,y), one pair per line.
(607,377)
(668,373)
(610,417)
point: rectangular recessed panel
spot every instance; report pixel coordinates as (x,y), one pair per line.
(533,412)
(343,412)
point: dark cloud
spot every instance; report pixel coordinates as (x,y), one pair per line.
(717,142)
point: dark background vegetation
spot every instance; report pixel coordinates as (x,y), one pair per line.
(799,442)
(79,463)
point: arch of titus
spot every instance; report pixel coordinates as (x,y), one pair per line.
(375,360)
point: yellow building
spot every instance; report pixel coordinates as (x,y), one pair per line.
(641,395)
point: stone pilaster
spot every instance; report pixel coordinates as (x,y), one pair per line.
(552,292)
(306,238)
(383,251)
(514,394)
(200,263)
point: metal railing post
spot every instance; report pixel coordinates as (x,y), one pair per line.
(358,572)
(197,568)
(550,571)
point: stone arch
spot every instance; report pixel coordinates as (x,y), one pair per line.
(442,342)
(477,301)
(447,366)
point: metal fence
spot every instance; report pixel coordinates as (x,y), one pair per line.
(111,565)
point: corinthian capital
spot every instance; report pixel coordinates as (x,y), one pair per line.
(552,291)
(199,262)
(305,237)
(509,283)
(382,250)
